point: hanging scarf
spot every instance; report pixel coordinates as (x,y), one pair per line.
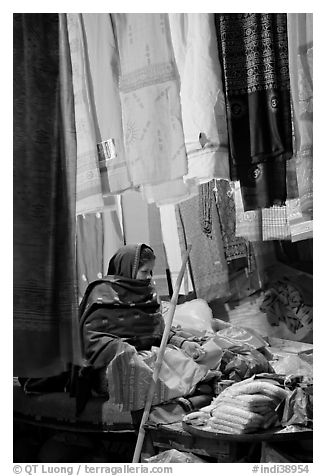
(300,37)
(205,207)
(235,247)
(208,266)
(255,66)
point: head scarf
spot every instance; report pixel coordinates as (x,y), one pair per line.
(125,262)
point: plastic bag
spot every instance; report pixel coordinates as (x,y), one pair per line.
(194,316)
(213,355)
(238,336)
(239,363)
(292,365)
(175,456)
(298,408)
(130,376)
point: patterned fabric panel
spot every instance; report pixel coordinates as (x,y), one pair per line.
(208,265)
(256,75)
(150,98)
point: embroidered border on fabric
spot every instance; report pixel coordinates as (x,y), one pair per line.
(152,74)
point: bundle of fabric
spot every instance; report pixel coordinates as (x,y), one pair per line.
(285,302)
(298,408)
(245,407)
(241,362)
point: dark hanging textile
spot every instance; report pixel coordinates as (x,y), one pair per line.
(254,52)
(44,290)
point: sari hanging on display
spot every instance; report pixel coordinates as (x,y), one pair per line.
(45,328)
(150,99)
(235,248)
(300,38)
(201,94)
(256,76)
(103,59)
(89,197)
(208,267)
(90,244)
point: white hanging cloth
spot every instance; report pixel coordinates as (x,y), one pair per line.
(150,99)
(202,97)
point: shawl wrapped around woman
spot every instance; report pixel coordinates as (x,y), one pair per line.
(120,308)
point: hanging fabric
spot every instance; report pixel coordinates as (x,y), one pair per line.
(103,59)
(90,241)
(89,192)
(172,192)
(150,99)
(156,242)
(44,290)
(70,166)
(275,223)
(113,234)
(247,224)
(235,247)
(300,38)
(202,96)
(172,247)
(256,76)
(207,261)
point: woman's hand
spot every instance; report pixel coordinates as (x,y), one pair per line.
(193,349)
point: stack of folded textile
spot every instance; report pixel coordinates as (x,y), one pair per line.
(244,407)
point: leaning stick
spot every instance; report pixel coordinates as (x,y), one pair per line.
(158,363)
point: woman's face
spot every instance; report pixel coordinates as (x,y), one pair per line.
(145,271)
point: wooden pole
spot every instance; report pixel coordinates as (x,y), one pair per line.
(158,363)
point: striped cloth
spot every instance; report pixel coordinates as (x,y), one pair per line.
(275,223)
(247,224)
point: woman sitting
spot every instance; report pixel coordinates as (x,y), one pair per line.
(121,324)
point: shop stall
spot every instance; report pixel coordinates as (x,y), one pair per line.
(181,131)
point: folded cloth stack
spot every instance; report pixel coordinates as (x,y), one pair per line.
(245,407)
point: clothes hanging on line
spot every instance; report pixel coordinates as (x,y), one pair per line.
(300,39)
(150,99)
(275,223)
(254,50)
(45,327)
(208,266)
(173,248)
(167,193)
(103,63)
(201,94)
(248,224)
(234,247)
(90,241)
(89,192)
